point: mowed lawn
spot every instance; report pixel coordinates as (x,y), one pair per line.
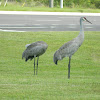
(17,80)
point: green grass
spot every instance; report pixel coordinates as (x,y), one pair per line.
(17,81)
(17,7)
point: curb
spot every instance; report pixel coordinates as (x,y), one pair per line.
(49,13)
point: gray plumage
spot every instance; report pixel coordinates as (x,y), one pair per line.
(69,48)
(34,50)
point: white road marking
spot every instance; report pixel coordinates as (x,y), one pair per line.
(70,17)
(22,27)
(55,24)
(52,26)
(12,24)
(88,24)
(47,20)
(11,30)
(71,27)
(71,24)
(88,27)
(37,24)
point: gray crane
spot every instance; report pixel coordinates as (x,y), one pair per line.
(69,48)
(34,50)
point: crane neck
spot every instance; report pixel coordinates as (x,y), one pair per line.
(81,27)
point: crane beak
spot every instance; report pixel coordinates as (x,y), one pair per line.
(88,21)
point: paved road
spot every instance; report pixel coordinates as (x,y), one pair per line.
(24,22)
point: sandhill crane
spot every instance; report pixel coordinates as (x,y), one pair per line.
(69,48)
(34,50)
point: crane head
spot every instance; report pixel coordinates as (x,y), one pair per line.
(55,58)
(84,19)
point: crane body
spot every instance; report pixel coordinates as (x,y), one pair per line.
(34,50)
(69,48)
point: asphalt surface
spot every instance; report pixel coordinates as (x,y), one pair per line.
(47,22)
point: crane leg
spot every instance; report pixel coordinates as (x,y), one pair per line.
(34,65)
(69,68)
(37,65)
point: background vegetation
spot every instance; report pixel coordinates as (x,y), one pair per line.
(43,5)
(17,80)
(67,3)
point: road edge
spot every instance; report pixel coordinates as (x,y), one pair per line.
(49,13)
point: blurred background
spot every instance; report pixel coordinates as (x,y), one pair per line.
(56,3)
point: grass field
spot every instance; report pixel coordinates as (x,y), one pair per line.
(15,7)
(17,81)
